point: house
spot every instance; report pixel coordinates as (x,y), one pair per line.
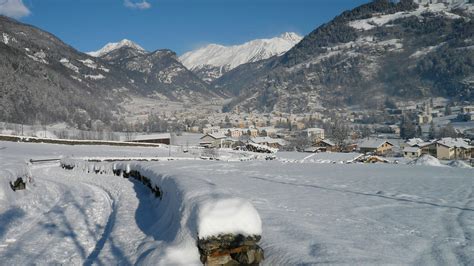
(314,133)
(376,146)
(268,131)
(212,140)
(395,129)
(466,116)
(411,152)
(468,109)
(164,138)
(230,143)
(210,129)
(425,147)
(453,149)
(252,132)
(311,149)
(270,142)
(413,142)
(428,148)
(424,119)
(325,145)
(235,132)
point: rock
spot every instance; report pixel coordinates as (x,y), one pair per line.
(19,184)
(230,250)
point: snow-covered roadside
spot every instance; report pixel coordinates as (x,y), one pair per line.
(190,209)
(187,211)
(310,212)
(347,214)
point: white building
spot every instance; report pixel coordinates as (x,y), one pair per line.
(315,133)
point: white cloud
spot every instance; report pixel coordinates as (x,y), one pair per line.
(13,8)
(136,5)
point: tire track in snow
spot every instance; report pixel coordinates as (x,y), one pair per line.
(62,233)
(450,246)
(464,221)
(368,194)
(93,256)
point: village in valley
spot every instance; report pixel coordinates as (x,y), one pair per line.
(434,127)
(219,140)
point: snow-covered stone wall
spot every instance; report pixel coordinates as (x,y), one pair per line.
(226,228)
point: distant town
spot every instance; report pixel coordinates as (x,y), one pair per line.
(435,127)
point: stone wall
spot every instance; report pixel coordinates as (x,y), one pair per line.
(228,249)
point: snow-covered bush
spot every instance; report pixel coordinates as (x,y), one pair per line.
(427,160)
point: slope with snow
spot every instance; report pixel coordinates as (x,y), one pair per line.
(440,9)
(310,213)
(214,59)
(115,46)
(349,59)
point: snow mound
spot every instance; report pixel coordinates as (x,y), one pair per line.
(459,164)
(427,160)
(228,216)
(190,208)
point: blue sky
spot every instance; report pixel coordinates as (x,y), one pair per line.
(180,25)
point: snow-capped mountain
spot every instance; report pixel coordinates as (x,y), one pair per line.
(64,84)
(67,85)
(159,72)
(212,61)
(114,46)
(360,56)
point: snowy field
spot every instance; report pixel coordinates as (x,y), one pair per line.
(312,210)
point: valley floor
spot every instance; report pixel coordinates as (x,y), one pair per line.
(312,213)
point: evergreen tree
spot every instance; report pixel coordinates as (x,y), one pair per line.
(432,132)
(339,132)
(419,131)
(407,129)
(447,131)
(448,111)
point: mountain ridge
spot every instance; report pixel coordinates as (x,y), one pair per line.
(358,58)
(44,80)
(213,60)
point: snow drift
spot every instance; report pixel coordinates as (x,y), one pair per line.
(191,208)
(427,160)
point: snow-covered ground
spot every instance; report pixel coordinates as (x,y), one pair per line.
(311,212)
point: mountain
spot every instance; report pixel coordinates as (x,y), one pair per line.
(45,80)
(159,73)
(377,51)
(114,46)
(212,61)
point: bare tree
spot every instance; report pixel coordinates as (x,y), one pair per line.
(339,132)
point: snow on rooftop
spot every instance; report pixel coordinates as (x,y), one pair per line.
(217,135)
(411,149)
(414,141)
(269,140)
(372,143)
(454,142)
